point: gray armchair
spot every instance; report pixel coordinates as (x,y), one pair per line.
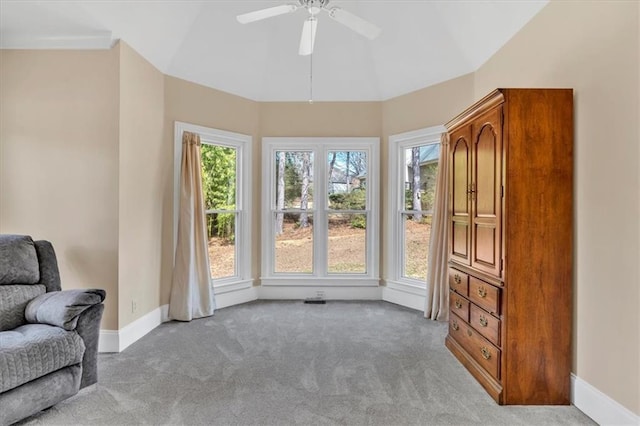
(48,337)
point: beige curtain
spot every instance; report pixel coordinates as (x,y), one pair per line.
(437,303)
(191,290)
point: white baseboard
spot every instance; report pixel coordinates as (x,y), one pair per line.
(404,295)
(274,292)
(108,341)
(119,340)
(600,407)
(236,297)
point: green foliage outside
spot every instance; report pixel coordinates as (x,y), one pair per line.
(359,221)
(219,188)
(293,180)
(428,176)
(354,200)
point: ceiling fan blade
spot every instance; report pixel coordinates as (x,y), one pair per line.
(269,12)
(354,22)
(308,38)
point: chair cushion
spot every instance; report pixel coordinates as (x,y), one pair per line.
(18,260)
(13,303)
(35,350)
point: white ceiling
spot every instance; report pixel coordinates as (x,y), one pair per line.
(422,42)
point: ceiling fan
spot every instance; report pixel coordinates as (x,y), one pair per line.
(314,7)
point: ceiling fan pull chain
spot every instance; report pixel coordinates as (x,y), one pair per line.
(311,77)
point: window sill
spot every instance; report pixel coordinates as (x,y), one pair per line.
(337,281)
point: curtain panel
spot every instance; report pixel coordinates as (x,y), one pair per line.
(191,290)
(437,300)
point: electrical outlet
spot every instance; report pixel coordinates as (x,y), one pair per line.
(134,307)
(320,294)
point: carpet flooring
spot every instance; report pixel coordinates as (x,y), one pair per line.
(286,363)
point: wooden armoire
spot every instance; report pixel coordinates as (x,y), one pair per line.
(510,243)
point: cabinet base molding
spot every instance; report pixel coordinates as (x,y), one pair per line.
(493,388)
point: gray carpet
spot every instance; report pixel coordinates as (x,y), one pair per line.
(285,362)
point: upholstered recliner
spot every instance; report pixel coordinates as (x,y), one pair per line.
(48,337)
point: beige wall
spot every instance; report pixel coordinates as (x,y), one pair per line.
(329,119)
(593,48)
(427,107)
(143,173)
(59,161)
(196,104)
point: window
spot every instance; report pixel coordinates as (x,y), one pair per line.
(413,164)
(226,161)
(319,211)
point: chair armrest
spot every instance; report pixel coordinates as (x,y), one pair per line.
(62,308)
(89,330)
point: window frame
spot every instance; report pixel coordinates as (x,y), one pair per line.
(320,146)
(396,205)
(243,145)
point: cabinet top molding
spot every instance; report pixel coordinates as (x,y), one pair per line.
(486,103)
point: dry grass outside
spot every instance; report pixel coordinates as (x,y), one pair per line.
(294,250)
(416,249)
(222,256)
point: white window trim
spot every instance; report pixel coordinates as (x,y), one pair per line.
(321,146)
(242,144)
(394,253)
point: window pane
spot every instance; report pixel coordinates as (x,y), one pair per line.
(347,247)
(219,177)
(294,243)
(221,229)
(420,172)
(417,231)
(347,172)
(294,180)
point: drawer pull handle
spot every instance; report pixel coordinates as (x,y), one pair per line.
(469,333)
(457,279)
(458,304)
(455,326)
(485,353)
(483,321)
(482,292)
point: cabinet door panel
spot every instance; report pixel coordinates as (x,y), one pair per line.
(459,205)
(486,192)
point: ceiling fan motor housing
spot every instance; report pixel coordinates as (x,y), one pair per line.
(314,6)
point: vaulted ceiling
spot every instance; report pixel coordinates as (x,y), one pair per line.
(422,42)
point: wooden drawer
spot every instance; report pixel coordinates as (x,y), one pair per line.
(484,295)
(458,281)
(459,305)
(486,324)
(480,349)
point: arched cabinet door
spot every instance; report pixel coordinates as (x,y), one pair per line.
(486,189)
(459,199)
